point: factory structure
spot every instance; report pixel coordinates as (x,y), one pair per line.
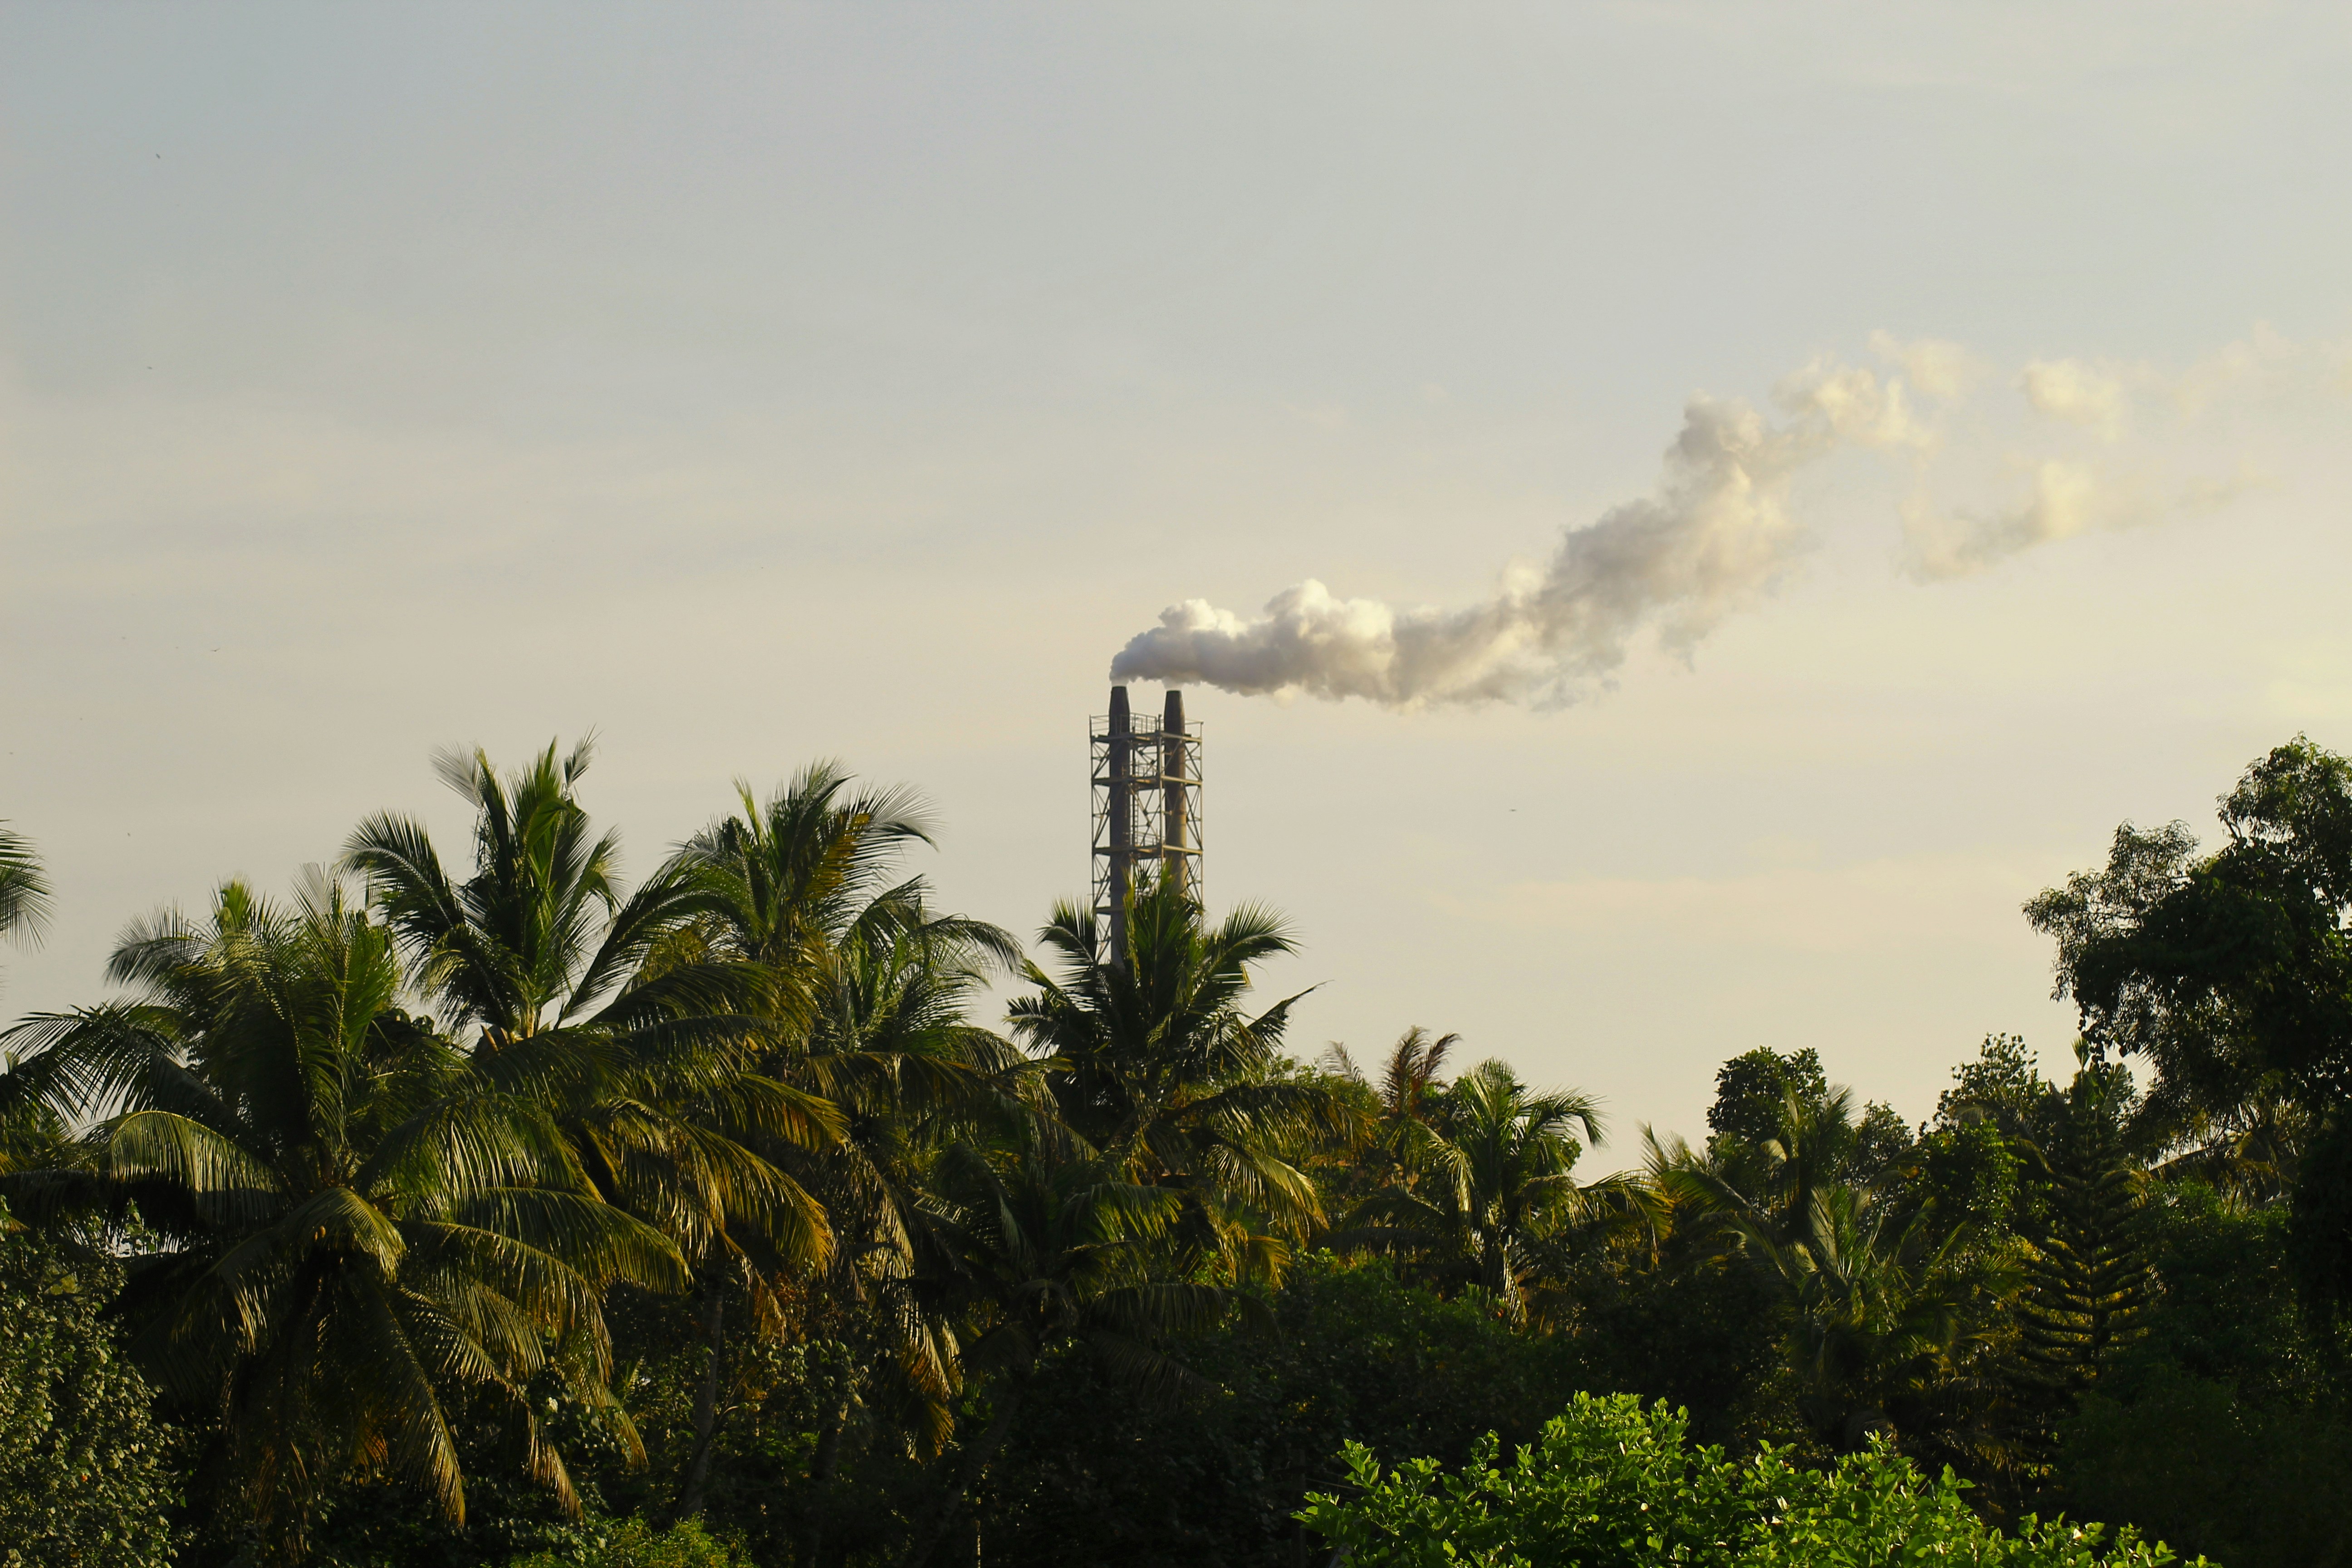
(1147,807)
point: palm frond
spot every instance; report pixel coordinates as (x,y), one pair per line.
(226,1178)
(26,896)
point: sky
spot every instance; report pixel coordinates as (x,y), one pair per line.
(756,384)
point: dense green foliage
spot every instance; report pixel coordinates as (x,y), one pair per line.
(1609,1485)
(1350,1354)
(633,1544)
(2230,1358)
(2231,973)
(84,1476)
(362,1230)
(472,1214)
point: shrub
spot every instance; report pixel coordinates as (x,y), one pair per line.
(1609,1485)
(634,1543)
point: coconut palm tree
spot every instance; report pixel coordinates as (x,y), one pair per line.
(1411,1078)
(1889,1326)
(541,955)
(1770,1183)
(2252,1150)
(1881,1318)
(1492,1181)
(352,1239)
(864,985)
(889,1040)
(865,989)
(539,940)
(1406,1097)
(782,882)
(1154,1064)
(654,1070)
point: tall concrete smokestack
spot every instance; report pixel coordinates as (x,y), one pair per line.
(1175,777)
(1121,775)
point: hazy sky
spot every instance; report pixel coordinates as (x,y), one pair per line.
(756,384)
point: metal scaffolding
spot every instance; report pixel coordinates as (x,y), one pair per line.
(1147,808)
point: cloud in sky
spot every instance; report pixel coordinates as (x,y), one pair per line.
(1717,533)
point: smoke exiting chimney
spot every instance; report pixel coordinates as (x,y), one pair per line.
(1716,534)
(1147,808)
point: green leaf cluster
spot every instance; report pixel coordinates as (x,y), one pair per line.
(85,1478)
(634,1543)
(1611,1484)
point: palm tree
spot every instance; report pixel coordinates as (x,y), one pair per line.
(1889,1328)
(889,1040)
(866,990)
(654,1070)
(1882,1320)
(864,986)
(785,881)
(1770,1183)
(1154,1064)
(541,953)
(540,934)
(1491,1181)
(356,1239)
(2252,1151)
(1405,1099)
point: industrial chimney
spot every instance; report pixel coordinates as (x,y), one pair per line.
(1147,808)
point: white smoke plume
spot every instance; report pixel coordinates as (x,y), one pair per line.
(1713,537)
(2063,499)
(2070,390)
(2101,488)
(1938,369)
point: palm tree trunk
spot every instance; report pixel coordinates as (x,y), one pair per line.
(820,1474)
(706,1415)
(975,1463)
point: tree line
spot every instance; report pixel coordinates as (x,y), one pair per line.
(491,1210)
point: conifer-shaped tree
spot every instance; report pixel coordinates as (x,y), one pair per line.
(2088,1285)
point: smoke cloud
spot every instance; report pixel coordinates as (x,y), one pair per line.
(1933,366)
(2070,390)
(2063,499)
(1713,536)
